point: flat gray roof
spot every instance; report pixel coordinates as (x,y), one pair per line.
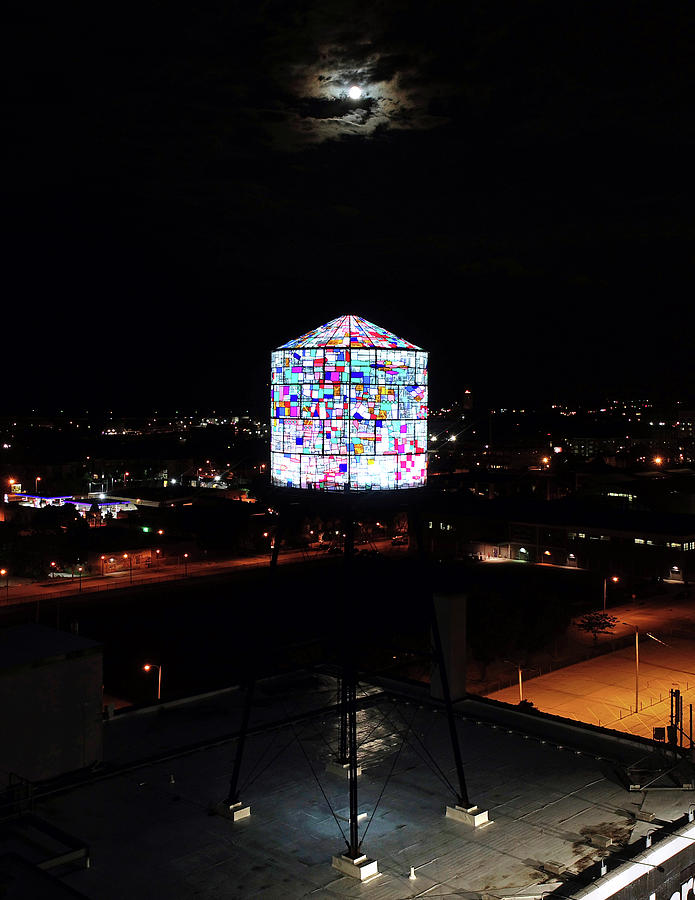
(22,645)
(548,789)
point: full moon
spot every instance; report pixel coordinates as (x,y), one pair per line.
(355,92)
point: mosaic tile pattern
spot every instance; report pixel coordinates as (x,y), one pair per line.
(349,409)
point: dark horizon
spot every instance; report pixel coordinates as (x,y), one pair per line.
(185,194)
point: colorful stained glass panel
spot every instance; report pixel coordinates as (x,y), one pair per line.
(349,409)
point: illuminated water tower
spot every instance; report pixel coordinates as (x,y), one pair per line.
(349,436)
(349,410)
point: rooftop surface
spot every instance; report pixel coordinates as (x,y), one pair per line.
(548,786)
(23,645)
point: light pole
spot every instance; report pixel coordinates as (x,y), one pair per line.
(79,569)
(36,484)
(185,565)
(147,668)
(521,684)
(6,573)
(130,561)
(636,667)
(615,580)
(54,568)
(632,625)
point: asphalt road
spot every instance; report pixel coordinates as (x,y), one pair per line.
(17,594)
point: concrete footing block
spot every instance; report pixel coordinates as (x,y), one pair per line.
(645,815)
(341,769)
(470,815)
(601,840)
(553,868)
(362,868)
(233,811)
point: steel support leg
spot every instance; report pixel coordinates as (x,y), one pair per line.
(463,799)
(233,796)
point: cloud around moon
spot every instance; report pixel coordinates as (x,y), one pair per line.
(315,75)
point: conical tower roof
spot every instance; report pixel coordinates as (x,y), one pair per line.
(350,331)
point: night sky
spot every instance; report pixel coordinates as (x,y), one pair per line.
(189,188)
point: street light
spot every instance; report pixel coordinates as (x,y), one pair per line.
(54,568)
(130,560)
(36,484)
(79,569)
(632,625)
(185,565)
(615,580)
(7,584)
(521,669)
(147,668)
(521,687)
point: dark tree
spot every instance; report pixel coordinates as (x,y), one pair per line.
(597,623)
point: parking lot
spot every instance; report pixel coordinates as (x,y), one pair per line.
(602,690)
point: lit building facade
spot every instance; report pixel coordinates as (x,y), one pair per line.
(349,410)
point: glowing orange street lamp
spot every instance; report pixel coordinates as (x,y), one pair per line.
(615,580)
(658,460)
(185,564)
(7,583)
(147,667)
(36,483)
(130,561)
